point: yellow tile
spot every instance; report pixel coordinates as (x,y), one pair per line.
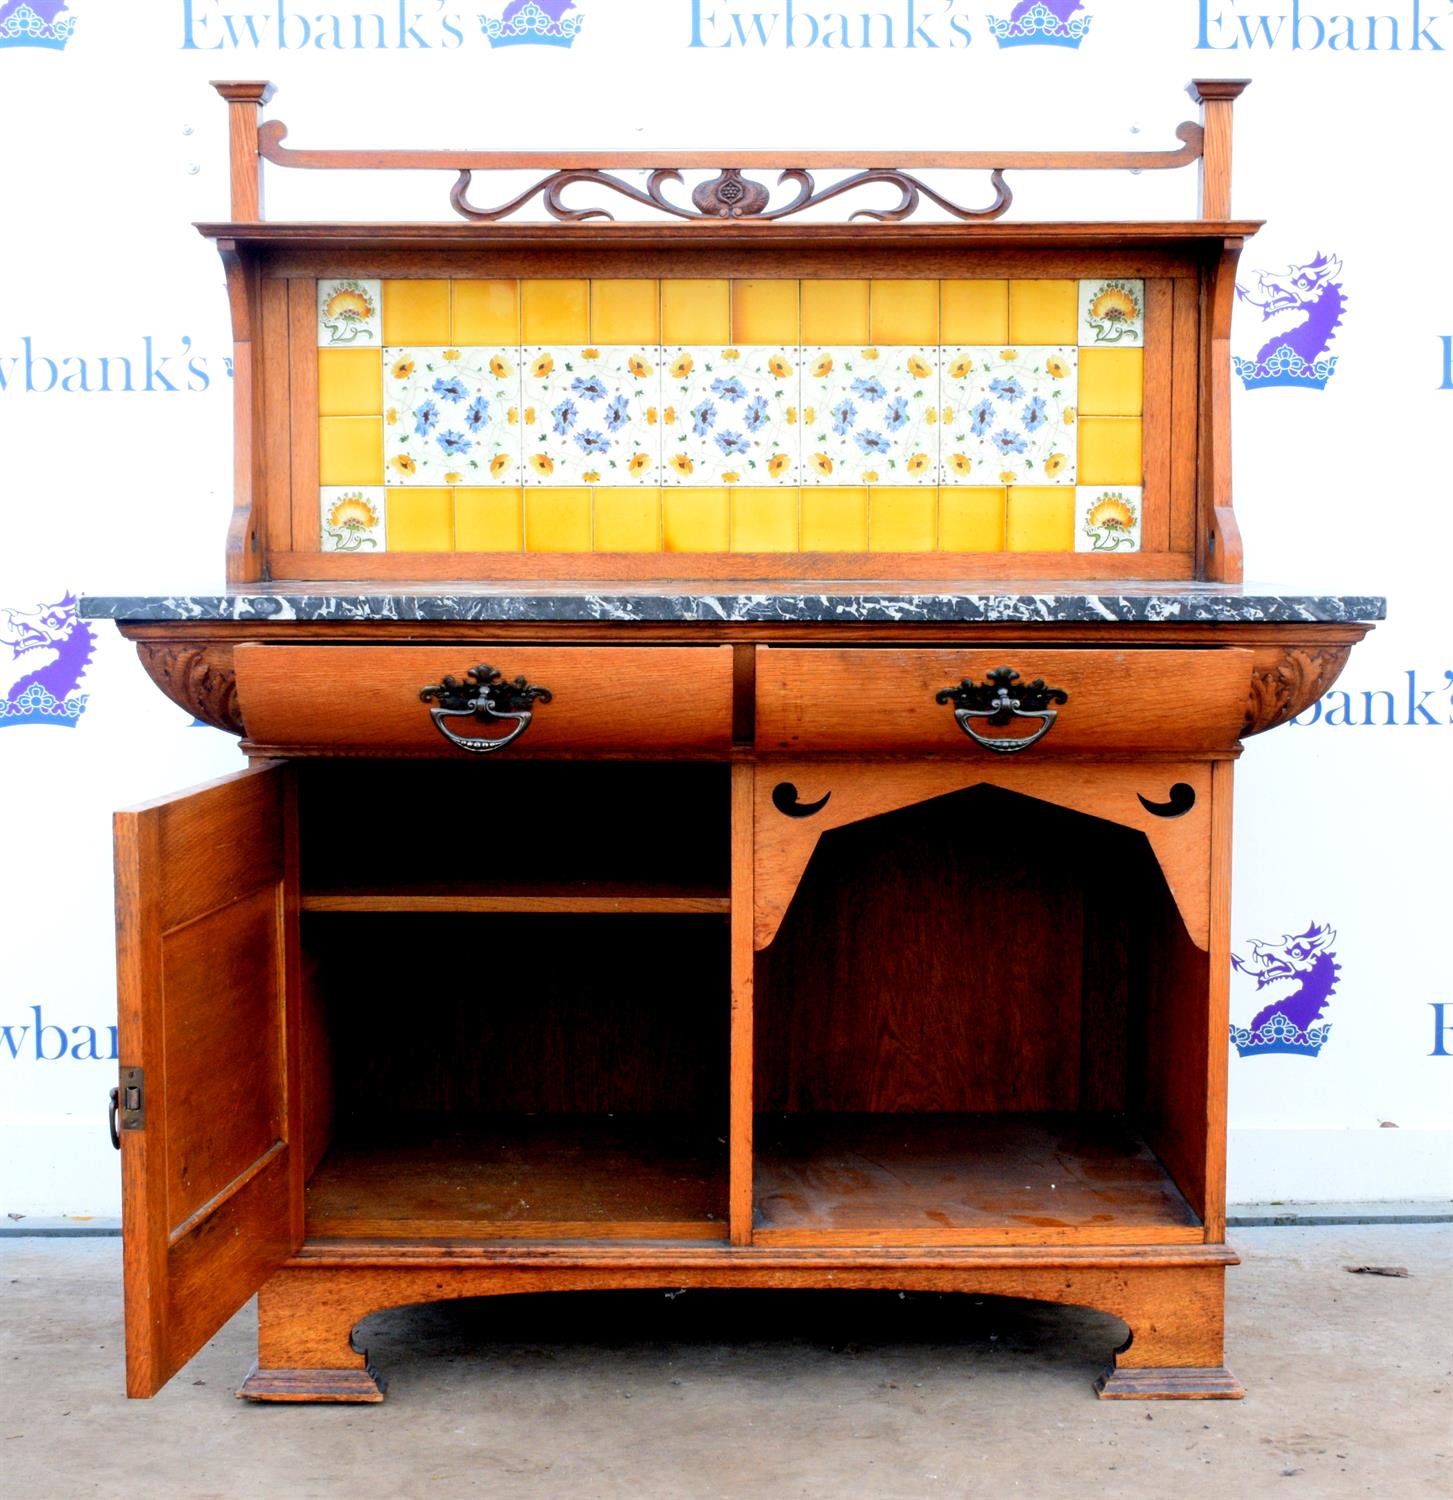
(974,312)
(1044,312)
(486,312)
(627,520)
(835,312)
(420,521)
(416,312)
(902,520)
(488,520)
(1041,520)
(696,312)
(697,520)
(557,520)
(625,312)
(1109,450)
(764,520)
(350,450)
(765,312)
(555,312)
(971,519)
(904,312)
(1112,382)
(834,520)
(350,382)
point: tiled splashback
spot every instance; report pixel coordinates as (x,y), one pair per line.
(713,416)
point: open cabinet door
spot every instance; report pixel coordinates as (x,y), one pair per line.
(206,917)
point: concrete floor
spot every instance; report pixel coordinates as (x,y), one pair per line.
(852,1396)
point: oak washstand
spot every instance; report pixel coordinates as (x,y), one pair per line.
(741,712)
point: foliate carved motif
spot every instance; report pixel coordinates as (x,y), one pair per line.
(198,679)
(1282,688)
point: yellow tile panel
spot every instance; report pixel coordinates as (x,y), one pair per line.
(696,312)
(557,520)
(764,520)
(625,312)
(627,520)
(835,312)
(902,519)
(1044,312)
(485,312)
(555,312)
(416,312)
(765,312)
(834,520)
(974,312)
(1041,519)
(971,519)
(1112,382)
(420,520)
(350,450)
(903,312)
(488,520)
(697,520)
(1109,450)
(350,382)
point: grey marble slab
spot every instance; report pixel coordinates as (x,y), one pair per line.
(751,603)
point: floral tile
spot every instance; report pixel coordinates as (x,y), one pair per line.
(1107,519)
(350,312)
(450,416)
(1008,415)
(591,416)
(1112,312)
(869,415)
(729,416)
(352,519)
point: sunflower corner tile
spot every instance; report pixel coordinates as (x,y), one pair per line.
(1112,313)
(350,314)
(352,518)
(1107,518)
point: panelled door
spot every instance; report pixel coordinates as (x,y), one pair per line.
(206,908)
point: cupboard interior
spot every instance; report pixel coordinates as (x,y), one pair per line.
(982,1020)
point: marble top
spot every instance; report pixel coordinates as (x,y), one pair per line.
(752,603)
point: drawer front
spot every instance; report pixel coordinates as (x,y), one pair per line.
(621,701)
(886,700)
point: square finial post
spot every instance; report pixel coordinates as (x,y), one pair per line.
(1216,96)
(244,105)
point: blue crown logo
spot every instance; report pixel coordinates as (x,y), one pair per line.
(1280,1035)
(533,23)
(23,25)
(1284,366)
(1043,23)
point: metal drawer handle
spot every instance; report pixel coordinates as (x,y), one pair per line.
(485,697)
(1000,699)
(113,1114)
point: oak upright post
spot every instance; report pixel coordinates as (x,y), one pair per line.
(245,99)
(1216,97)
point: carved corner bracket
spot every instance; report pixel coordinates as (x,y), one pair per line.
(1285,680)
(197,678)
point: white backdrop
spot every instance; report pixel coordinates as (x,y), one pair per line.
(115,144)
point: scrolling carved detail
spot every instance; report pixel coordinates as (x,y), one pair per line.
(198,679)
(1286,681)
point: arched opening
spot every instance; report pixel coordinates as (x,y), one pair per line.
(981,1021)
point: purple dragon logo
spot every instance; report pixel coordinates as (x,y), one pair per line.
(537,23)
(49,649)
(1042,23)
(35,23)
(1288,1024)
(1303,307)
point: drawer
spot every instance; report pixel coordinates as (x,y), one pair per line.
(606,700)
(886,700)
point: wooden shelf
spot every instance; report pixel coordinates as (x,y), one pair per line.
(657,898)
(962,1179)
(546,1177)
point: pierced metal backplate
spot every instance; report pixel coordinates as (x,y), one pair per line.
(999,700)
